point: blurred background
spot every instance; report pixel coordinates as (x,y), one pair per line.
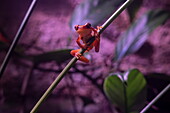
(43,51)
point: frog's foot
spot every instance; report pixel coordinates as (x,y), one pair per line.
(99,27)
(73,52)
(81,58)
(78,55)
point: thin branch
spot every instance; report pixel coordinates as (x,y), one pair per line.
(17,37)
(74,60)
(156,98)
(54,84)
(115,15)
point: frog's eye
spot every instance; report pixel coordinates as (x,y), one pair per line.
(76,27)
(88,25)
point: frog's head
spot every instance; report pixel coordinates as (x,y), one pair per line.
(83,30)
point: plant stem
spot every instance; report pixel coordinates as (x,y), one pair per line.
(54,84)
(17,37)
(156,98)
(73,61)
(115,15)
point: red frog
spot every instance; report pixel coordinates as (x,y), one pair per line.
(86,33)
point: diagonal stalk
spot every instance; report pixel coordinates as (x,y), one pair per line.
(17,37)
(156,98)
(73,61)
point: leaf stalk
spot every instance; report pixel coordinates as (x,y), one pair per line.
(74,60)
(17,37)
(156,98)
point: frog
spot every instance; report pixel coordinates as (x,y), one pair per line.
(86,34)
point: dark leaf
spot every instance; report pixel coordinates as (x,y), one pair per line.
(133,8)
(159,76)
(93,11)
(138,33)
(59,56)
(127,91)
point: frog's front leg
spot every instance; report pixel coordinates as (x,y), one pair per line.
(97,44)
(78,42)
(79,56)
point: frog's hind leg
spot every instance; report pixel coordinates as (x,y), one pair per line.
(79,56)
(97,44)
(84,59)
(74,52)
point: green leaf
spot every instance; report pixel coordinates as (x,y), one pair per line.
(59,56)
(136,90)
(133,8)
(138,33)
(93,11)
(127,91)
